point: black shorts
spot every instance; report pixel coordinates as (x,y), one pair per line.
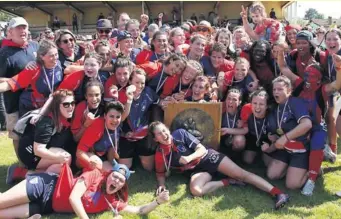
(128,149)
(251,143)
(26,151)
(226,144)
(210,162)
(40,188)
(298,160)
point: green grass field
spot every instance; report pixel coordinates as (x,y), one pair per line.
(230,202)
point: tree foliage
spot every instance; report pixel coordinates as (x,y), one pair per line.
(312,13)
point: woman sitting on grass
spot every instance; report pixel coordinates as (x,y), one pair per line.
(92,192)
(181,151)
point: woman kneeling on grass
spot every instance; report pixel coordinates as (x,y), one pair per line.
(181,151)
(92,192)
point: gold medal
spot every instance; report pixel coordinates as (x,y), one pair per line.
(280,131)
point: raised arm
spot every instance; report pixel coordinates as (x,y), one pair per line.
(246,24)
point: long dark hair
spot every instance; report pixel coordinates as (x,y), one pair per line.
(267,58)
(58,97)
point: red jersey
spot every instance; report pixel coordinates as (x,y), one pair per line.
(122,96)
(94,199)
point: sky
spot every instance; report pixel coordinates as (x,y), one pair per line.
(328,8)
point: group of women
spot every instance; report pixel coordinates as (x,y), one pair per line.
(95,109)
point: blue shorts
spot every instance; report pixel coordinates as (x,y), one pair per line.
(40,188)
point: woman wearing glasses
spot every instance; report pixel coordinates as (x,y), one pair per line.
(42,147)
(40,81)
(69,52)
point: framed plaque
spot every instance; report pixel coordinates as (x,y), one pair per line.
(202,120)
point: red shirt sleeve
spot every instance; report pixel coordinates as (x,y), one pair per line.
(298,82)
(159,164)
(111,81)
(170,85)
(151,68)
(91,135)
(245,113)
(245,55)
(72,81)
(76,124)
(23,79)
(228,77)
(143,57)
(227,66)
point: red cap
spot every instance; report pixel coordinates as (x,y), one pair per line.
(293,26)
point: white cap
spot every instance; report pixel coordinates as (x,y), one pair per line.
(17,21)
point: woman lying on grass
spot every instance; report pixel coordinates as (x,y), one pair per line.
(181,151)
(92,192)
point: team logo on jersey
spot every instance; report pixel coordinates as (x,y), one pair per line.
(144,103)
(181,148)
(214,157)
(34,180)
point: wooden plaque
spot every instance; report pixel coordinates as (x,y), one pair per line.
(203,120)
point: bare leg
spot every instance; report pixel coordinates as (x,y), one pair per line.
(338,125)
(266,159)
(18,211)
(44,164)
(249,156)
(127,161)
(147,162)
(229,168)
(14,196)
(201,184)
(276,169)
(331,126)
(238,143)
(296,177)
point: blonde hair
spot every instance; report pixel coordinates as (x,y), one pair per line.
(241,60)
(258,7)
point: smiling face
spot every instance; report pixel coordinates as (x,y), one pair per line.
(281,92)
(259,106)
(112,119)
(175,67)
(115,182)
(134,30)
(217,59)
(291,36)
(188,75)
(126,45)
(67,107)
(122,75)
(232,102)
(198,47)
(199,90)
(93,97)
(91,67)
(19,34)
(50,59)
(67,44)
(241,70)
(162,135)
(160,44)
(179,37)
(224,38)
(259,52)
(104,52)
(333,42)
(303,47)
(139,81)
(256,17)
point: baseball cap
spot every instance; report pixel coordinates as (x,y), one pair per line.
(104,24)
(17,21)
(305,35)
(122,35)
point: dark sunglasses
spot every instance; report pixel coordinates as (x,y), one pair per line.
(68,104)
(202,29)
(67,40)
(104,31)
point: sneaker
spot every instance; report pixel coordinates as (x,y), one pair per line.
(308,188)
(281,200)
(14,173)
(329,155)
(295,147)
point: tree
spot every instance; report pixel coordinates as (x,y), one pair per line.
(312,13)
